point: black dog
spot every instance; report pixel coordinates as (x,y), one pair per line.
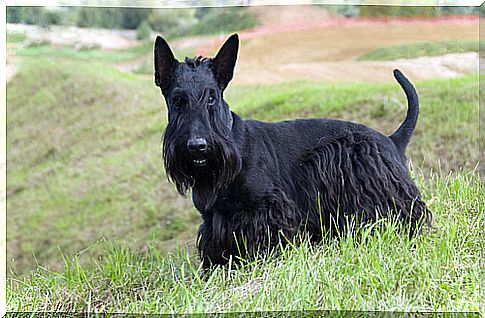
(255,182)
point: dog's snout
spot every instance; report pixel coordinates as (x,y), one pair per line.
(197,145)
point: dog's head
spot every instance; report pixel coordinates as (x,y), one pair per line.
(198,148)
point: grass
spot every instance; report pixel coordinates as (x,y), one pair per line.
(408,51)
(437,271)
(15,37)
(94,54)
(94,169)
(46,50)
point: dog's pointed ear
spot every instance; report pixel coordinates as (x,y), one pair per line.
(225,60)
(165,64)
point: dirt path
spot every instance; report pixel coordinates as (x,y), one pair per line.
(10,70)
(449,65)
(12,61)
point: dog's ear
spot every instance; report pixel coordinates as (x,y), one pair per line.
(165,64)
(225,61)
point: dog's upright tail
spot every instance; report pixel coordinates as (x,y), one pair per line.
(403,134)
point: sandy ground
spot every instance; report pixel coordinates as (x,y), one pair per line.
(10,70)
(449,65)
(330,52)
(11,63)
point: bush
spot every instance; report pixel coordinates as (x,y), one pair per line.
(50,17)
(111,18)
(143,31)
(217,20)
(168,21)
(14,14)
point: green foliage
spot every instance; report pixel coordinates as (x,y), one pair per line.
(41,16)
(343,10)
(14,14)
(169,21)
(222,19)
(459,10)
(377,268)
(50,17)
(115,18)
(414,50)
(143,31)
(380,11)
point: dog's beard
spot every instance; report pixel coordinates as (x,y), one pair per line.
(223,163)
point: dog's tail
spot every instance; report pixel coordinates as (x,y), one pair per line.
(403,134)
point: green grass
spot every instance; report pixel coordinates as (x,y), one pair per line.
(94,54)
(84,163)
(437,271)
(415,50)
(15,37)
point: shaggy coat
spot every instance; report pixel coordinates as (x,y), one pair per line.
(258,184)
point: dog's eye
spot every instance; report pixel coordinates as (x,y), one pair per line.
(179,102)
(211,100)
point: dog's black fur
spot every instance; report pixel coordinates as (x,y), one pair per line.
(254,182)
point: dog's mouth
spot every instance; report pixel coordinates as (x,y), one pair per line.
(199,162)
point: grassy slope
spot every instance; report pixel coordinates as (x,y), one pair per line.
(84,163)
(409,51)
(45,50)
(438,271)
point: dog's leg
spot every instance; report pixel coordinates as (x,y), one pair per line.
(247,234)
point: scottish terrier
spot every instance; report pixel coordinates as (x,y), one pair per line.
(258,184)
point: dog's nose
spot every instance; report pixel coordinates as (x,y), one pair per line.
(197,145)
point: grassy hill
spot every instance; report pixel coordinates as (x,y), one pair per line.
(409,51)
(88,198)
